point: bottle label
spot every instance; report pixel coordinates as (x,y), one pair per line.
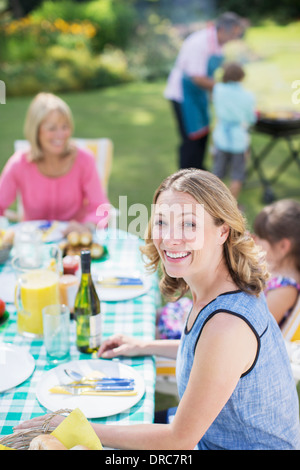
(95,331)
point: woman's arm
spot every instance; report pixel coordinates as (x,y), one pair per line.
(280,300)
(226,349)
(120,345)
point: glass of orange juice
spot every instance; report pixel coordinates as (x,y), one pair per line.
(35,289)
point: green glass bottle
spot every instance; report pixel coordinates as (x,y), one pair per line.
(87,311)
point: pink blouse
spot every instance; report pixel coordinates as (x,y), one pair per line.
(74,196)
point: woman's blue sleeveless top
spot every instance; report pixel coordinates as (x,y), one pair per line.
(262,412)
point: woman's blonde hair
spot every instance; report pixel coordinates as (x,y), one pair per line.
(243,258)
(38,110)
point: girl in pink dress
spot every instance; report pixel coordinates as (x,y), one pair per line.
(277,231)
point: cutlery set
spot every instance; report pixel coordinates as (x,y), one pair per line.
(119,281)
(81,385)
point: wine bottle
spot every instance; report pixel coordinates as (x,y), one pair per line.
(87,311)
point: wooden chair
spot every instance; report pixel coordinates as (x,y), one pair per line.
(291,334)
(101,148)
(166,376)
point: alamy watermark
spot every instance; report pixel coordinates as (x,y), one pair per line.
(2,92)
(168,221)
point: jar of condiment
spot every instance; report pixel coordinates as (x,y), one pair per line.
(70,264)
(68,287)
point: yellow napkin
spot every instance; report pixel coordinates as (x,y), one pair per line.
(5,448)
(63,391)
(76,430)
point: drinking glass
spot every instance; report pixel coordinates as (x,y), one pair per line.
(56,326)
(28,246)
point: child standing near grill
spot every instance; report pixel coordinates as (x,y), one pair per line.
(235,112)
(277,231)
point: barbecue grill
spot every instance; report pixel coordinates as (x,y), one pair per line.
(281,125)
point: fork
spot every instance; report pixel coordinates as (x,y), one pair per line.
(102,380)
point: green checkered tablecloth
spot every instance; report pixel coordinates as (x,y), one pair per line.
(133,317)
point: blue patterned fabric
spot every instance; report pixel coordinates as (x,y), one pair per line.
(262,412)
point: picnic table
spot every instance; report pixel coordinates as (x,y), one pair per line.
(131,316)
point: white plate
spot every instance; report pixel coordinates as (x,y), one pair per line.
(91,406)
(114,294)
(16,365)
(55,231)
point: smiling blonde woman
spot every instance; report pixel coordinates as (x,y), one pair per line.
(55,179)
(233,374)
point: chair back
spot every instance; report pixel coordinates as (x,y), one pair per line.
(291,327)
(166,376)
(102,149)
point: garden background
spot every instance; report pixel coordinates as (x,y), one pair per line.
(109,60)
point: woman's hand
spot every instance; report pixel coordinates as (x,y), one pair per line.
(120,345)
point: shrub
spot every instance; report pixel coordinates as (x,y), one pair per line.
(29,38)
(114,19)
(57,55)
(65,70)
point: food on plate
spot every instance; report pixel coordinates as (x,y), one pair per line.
(49,442)
(96,250)
(76,238)
(2,308)
(73,238)
(46,442)
(79,241)
(86,238)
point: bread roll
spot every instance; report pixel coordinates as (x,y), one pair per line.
(73,238)
(46,442)
(86,238)
(96,250)
(79,447)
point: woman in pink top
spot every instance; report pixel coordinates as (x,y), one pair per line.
(56,180)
